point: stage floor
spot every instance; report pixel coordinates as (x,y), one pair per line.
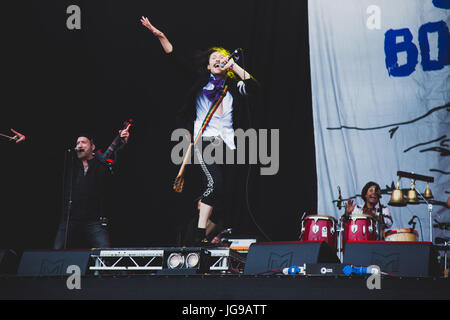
(222,287)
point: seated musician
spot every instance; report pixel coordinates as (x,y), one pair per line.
(371,194)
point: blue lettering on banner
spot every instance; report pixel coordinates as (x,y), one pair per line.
(392,48)
(443,45)
(442,4)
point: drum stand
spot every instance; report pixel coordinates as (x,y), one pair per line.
(340,232)
(444,247)
(430,213)
(445,260)
(379,230)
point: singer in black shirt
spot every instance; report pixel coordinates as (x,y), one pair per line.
(83,222)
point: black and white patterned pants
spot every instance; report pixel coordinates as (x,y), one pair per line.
(214,175)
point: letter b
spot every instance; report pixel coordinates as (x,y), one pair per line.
(392,48)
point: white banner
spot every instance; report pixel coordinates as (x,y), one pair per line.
(380,89)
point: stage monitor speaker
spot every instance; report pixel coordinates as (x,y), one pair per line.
(9,261)
(407,259)
(52,263)
(275,256)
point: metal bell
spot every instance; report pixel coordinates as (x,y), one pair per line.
(427,193)
(397,199)
(411,197)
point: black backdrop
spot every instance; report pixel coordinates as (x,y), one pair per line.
(59,82)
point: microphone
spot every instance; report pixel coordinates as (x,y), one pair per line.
(78,149)
(339,199)
(348,270)
(295,270)
(438,240)
(233,55)
(225,232)
(412,220)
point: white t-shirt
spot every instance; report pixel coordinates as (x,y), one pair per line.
(386,218)
(220,125)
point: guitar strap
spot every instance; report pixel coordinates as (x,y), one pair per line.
(179,180)
(209,115)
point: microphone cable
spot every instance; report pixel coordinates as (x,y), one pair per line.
(249,164)
(420,224)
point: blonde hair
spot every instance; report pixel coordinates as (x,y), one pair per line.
(203,58)
(226,53)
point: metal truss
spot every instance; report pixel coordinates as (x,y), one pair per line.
(224,259)
(132,260)
(219,259)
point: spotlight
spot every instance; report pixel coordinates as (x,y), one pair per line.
(192,260)
(175,260)
(185,261)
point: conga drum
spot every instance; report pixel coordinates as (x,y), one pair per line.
(404,234)
(360,227)
(320,228)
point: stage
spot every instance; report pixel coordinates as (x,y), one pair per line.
(222,288)
(222,274)
(349,94)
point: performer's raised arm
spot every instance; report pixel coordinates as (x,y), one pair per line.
(165,43)
(18,137)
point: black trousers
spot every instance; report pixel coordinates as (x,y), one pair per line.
(82,234)
(217,176)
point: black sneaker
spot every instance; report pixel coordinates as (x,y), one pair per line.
(204,243)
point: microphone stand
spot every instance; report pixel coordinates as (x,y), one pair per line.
(380,222)
(446,244)
(69,181)
(301,230)
(430,209)
(413,225)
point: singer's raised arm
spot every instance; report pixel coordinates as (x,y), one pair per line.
(175,58)
(165,43)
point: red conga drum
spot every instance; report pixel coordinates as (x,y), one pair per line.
(320,228)
(360,227)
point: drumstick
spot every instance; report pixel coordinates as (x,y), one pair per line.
(8,137)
